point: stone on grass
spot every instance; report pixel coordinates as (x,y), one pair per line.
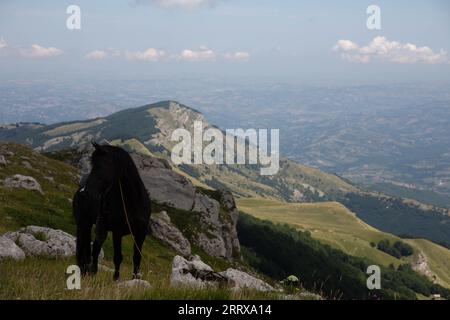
(193,273)
(23,182)
(9,250)
(240,280)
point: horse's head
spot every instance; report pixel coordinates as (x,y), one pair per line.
(104,171)
(81,212)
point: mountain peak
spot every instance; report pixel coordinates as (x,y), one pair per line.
(170,104)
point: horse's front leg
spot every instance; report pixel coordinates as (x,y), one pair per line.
(117,243)
(96,248)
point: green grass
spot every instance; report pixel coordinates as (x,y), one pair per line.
(40,278)
(73,127)
(245,181)
(332,223)
(41,236)
(132,145)
(19,207)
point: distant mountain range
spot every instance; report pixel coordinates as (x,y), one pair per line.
(147,130)
(391,138)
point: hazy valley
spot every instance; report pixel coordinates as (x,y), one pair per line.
(391,139)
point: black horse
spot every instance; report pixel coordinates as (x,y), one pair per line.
(114,198)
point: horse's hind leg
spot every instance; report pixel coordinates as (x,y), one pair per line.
(117,242)
(137,256)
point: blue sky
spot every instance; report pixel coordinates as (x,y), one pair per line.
(306,40)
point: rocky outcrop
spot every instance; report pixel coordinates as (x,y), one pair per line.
(193,273)
(196,273)
(240,280)
(163,184)
(166,232)
(229,231)
(217,235)
(23,182)
(421,266)
(42,241)
(211,240)
(219,218)
(9,250)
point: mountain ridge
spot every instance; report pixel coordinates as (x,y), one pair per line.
(147,129)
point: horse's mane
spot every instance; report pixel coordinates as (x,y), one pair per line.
(127,172)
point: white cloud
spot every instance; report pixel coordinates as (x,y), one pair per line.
(391,51)
(37,51)
(102,54)
(96,55)
(151,54)
(184,4)
(203,54)
(345,45)
(3,43)
(239,56)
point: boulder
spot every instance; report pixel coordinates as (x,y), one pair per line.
(194,273)
(42,241)
(23,182)
(166,232)
(3,161)
(9,250)
(240,280)
(27,165)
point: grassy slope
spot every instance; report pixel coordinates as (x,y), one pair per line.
(39,278)
(246,181)
(19,207)
(438,259)
(132,145)
(334,224)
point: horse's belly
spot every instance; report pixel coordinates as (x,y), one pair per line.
(117,224)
